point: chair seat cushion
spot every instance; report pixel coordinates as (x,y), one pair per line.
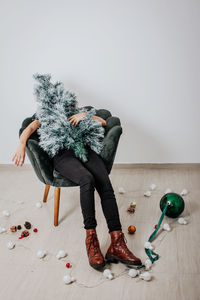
(61,181)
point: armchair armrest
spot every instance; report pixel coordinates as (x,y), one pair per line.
(110,144)
(112,121)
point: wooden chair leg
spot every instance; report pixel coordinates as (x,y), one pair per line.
(56,205)
(46,192)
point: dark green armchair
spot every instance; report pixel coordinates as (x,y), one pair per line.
(43,164)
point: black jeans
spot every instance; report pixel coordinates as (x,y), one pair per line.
(90,175)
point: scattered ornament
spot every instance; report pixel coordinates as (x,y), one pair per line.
(38,204)
(182,221)
(27,225)
(131,210)
(21,237)
(41,253)
(148,264)
(68,279)
(60,254)
(148,245)
(166,227)
(175,204)
(19,227)
(133,272)
(168,190)
(13,228)
(68,265)
(184,192)
(132,207)
(133,204)
(147,193)
(155,226)
(2,229)
(10,245)
(6,213)
(35,230)
(107,273)
(25,233)
(153,186)
(121,190)
(131,229)
(145,276)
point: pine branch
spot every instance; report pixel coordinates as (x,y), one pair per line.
(54,106)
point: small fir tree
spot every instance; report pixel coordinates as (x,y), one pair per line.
(54,107)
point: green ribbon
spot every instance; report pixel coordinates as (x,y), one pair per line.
(149,252)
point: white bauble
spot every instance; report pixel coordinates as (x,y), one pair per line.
(61,254)
(148,245)
(10,245)
(133,272)
(166,227)
(41,253)
(184,192)
(107,273)
(153,186)
(5,213)
(2,229)
(145,276)
(68,279)
(121,190)
(182,221)
(148,264)
(38,204)
(147,193)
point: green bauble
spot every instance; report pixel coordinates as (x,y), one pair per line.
(176,206)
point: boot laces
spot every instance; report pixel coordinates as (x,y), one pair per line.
(121,239)
(94,242)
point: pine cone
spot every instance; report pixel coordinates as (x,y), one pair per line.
(27,225)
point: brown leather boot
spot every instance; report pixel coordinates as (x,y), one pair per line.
(118,250)
(96,259)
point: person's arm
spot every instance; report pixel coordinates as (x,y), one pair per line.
(104,123)
(77,117)
(19,155)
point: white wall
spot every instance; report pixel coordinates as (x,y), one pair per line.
(138,59)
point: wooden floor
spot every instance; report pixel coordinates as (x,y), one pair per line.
(176,275)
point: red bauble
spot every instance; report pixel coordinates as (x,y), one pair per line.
(68,265)
(131,229)
(35,230)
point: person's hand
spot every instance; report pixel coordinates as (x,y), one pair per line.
(19,155)
(75,119)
